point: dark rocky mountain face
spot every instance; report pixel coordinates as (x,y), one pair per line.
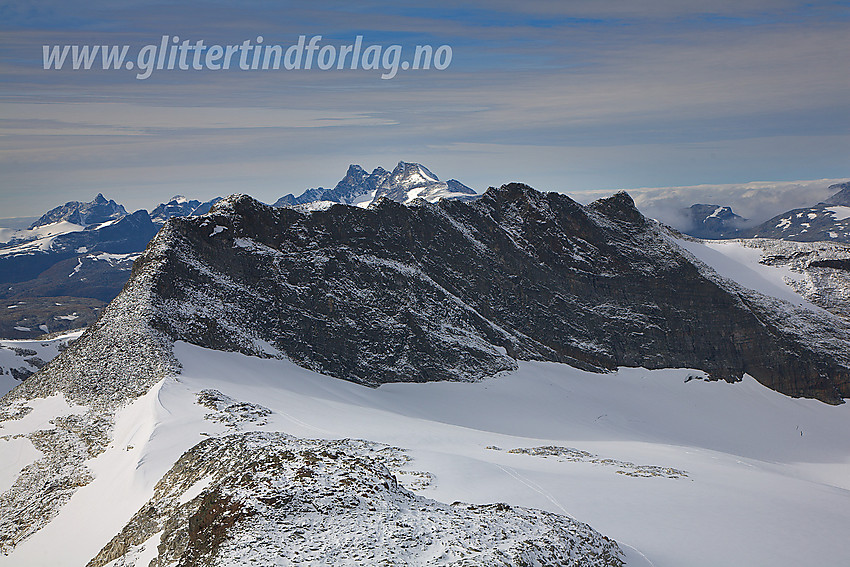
(713,221)
(69,269)
(99,210)
(456,291)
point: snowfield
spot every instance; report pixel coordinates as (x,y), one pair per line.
(736,261)
(44,231)
(675,468)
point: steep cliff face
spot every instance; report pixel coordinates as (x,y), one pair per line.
(460,291)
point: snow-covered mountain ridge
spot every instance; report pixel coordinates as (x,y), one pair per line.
(400,297)
(455,290)
(98,211)
(512,439)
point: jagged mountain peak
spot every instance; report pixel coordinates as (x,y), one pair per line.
(355,170)
(405,183)
(96,211)
(711,221)
(620,206)
(410,181)
(408,170)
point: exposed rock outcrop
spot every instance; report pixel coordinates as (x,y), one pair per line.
(253,498)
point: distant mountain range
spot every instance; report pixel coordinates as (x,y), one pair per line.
(60,272)
(98,211)
(180,206)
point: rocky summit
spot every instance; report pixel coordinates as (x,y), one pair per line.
(254,498)
(712,221)
(447,291)
(97,211)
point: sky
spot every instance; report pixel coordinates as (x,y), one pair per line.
(744,101)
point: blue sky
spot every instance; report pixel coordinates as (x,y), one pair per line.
(579,97)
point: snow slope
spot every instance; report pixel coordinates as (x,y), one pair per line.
(44,231)
(28,241)
(687,471)
(734,260)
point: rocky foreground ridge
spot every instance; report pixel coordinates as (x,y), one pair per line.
(253,498)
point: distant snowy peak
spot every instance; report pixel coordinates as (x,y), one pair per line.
(828,221)
(712,221)
(178,206)
(204,208)
(97,211)
(410,181)
(407,182)
(841,196)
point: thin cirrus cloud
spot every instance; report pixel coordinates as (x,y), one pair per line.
(122,119)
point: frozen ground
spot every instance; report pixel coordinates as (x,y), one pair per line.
(761,479)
